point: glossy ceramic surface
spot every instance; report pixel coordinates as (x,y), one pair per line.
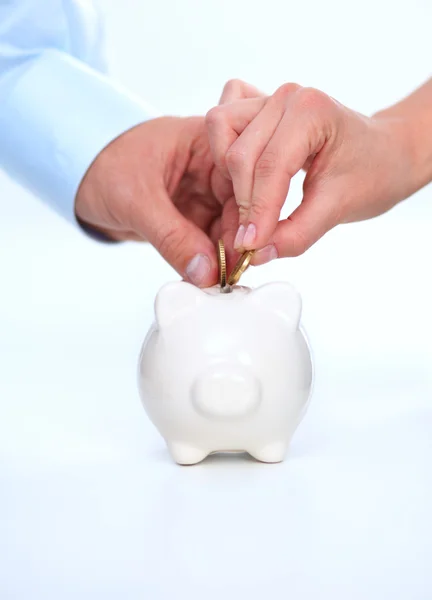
(226,372)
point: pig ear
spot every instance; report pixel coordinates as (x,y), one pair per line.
(175,300)
(280,298)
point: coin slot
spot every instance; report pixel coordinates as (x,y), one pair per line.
(227,289)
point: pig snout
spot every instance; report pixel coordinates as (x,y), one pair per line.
(226,392)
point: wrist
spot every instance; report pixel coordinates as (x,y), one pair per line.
(411,139)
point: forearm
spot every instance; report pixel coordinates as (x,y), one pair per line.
(412,118)
(57,111)
(56,115)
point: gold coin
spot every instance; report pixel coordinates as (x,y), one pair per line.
(222,264)
(240,267)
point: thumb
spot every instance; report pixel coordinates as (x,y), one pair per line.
(315,216)
(179,241)
(319,212)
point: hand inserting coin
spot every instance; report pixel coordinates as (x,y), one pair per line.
(240,267)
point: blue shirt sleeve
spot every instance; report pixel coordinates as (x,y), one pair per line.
(58,109)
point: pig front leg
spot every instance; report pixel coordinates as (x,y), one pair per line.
(273,452)
(185,454)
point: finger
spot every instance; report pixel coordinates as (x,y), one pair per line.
(183,245)
(215,230)
(242,156)
(116,234)
(302,132)
(229,226)
(126,236)
(236,89)
(225,227)
(199,212)
(319,212)
(226,123)
(221,186)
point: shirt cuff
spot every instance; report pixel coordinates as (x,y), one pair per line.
(56,115)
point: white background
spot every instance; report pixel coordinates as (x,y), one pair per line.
(91,506)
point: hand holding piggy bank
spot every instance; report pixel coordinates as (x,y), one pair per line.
(226,372)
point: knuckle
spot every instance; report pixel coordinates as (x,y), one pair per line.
(266,165)
(235,160)
(233,85)
(243,210)
(259,206)
(169,239)
(215,116)
(286,90)
(313,99)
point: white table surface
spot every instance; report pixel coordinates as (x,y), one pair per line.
(91,505)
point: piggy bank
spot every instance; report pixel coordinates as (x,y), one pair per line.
(226,372)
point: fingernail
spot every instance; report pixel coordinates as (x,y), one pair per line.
(198,269)
(250,236)
(238,242)
(265,255)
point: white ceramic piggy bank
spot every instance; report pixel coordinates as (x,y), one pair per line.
(226,372)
